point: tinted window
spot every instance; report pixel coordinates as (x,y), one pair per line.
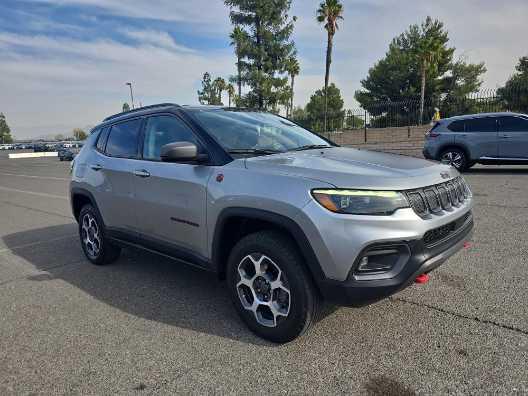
(513,124)
(456,126)
(101,140)
(163,130)
(123,139)
(486,124)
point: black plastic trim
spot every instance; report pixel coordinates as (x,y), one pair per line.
(356,293)
(160,247)
(282,221)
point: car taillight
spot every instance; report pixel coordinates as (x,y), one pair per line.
(431,133)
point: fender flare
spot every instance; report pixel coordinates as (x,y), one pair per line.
(281,221)
(76,191)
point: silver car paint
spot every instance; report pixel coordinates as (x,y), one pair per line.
(278,183)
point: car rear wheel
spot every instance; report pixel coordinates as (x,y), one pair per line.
(456,158)
(97,248)
(270,287)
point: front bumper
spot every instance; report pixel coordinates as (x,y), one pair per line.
(428,153)
(422,259)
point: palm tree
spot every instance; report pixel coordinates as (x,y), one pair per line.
(293,70)
(427,54)
(219,85)
(239,40)
(329,12)
(231,92)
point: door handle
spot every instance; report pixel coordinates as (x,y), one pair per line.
(505,136)
(96,167)
(141,173)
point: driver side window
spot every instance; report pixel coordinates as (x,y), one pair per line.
(162,130)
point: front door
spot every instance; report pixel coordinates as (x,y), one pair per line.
(171,197)
(513,137)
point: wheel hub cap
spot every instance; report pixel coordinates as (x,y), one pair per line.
(90,235)
(263,289)
(452,158)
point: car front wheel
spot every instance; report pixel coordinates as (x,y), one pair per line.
(270,287)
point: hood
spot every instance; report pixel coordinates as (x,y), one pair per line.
(346,167)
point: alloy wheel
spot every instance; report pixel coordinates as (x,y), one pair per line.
(453,158)
(91,236)
(263,289)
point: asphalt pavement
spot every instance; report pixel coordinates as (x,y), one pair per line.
(149,325)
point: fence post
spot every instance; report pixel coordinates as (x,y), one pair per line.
(365,125)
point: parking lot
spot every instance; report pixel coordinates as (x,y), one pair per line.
(147,324)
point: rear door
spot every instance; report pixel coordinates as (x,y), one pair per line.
(479,137)
(513,137)
(113,165)
(171,197)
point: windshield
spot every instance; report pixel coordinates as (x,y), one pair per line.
(247,132)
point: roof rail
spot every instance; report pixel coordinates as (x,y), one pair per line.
(140,109)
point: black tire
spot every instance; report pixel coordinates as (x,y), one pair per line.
(61,159)
(106,252)
(455,157)
(304,300)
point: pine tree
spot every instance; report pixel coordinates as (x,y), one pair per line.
(268,29)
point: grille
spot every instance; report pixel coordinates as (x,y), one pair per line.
(440,197)
(432,237)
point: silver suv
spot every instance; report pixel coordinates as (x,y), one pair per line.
(287,217)
(489,138)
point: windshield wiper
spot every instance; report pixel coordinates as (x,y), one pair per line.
(254,151)
(311,147)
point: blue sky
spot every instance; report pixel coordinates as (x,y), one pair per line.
(64,63)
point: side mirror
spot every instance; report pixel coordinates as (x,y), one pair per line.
(185,152)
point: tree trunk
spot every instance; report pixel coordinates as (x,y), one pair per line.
(259,64)
(291,98)
(327,76)
(239,80)
(422,93)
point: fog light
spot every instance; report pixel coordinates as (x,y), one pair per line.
(381,261)
(378,260)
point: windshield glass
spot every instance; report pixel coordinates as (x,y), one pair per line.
(262,133)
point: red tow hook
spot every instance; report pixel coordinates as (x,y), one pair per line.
(421,279)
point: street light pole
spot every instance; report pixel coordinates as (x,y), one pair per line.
(131,94)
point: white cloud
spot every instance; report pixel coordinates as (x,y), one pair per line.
(157,39)
(65,83)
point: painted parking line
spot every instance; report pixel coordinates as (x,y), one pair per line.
(34,193)
(34,177)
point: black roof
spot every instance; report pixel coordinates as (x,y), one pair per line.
(139,109)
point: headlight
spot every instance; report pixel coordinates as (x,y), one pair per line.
(361,202)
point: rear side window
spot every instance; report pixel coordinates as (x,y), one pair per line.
(513,124)
(485,124)
(123,139)
(101,140)
(456,126)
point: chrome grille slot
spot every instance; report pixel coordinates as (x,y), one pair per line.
(438,198)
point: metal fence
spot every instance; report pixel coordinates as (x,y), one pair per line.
(388,114)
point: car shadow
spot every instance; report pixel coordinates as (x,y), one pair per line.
(139,283)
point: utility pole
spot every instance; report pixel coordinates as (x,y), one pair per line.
(131,94)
